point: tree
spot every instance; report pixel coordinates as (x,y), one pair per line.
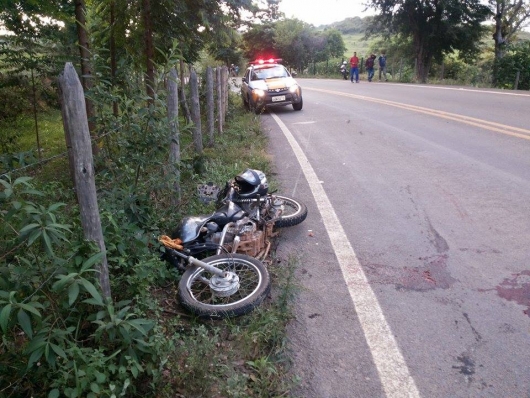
(315,44)
(334,44)
(294,40)
(86,66)
(516,60)
(226,47)
(436,27)
(260,42)
(510,17)
(35,49)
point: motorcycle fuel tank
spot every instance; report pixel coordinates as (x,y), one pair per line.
(190,227)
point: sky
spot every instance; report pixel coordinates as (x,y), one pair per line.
(323,12)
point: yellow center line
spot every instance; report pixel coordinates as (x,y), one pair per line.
(492,126)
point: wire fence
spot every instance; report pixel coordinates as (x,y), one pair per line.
(27,160)
(32,165)
(41,162)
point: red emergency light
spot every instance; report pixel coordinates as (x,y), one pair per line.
(261,61)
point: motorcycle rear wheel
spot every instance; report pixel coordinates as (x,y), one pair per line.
(294,212)
(196,296)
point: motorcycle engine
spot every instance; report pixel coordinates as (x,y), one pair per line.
(243,236)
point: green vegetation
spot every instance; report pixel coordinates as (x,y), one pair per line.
(357,42)
(61,339)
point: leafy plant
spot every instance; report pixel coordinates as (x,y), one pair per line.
(515,61)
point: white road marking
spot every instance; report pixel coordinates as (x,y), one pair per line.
(393,371)
(483,124)
(514,93)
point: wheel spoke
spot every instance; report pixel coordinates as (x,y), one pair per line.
(248,279)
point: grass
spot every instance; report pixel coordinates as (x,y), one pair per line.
(50,132)
(24,145)
(356,42)
(241,357)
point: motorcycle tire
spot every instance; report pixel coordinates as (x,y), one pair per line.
(195,295)
(295,212)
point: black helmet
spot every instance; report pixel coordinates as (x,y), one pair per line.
(251,182)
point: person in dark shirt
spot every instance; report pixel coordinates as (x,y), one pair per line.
(382,66)
(369,64)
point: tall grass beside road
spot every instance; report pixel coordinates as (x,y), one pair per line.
(144,344)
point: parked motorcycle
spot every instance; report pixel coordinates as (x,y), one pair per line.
(230,279)
(344,70)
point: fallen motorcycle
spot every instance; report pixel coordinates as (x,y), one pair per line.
(233,239)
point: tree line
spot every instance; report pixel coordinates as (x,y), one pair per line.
(438,28)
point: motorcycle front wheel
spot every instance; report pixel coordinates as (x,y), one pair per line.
(294,212)
(197,297)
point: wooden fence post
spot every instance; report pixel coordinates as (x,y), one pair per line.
(219,87)
(225,92)
(196,112)
(67,135)
(73,102)
(174,146)
(517,75)
(210,107)
(183,100)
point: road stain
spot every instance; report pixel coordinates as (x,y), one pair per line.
(478,336)
(515,289)
(439,243)
(468,365)
(432,275)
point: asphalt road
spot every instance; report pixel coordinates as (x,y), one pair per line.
(414,261)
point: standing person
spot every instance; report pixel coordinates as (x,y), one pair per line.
(382,65)
(354,68)
(370,66)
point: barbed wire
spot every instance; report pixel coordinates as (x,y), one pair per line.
(63,154)
(36,164)
(41,162)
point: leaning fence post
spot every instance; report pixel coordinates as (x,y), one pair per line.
(224,80)
(219,85)
(67,135)
(73,102)
(210,105)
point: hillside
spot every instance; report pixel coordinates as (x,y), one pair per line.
(352,30)
(356,42)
